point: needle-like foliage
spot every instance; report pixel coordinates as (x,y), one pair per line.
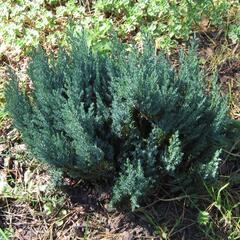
(170,123)
(128,116)
(65,121)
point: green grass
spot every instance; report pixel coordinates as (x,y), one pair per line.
(5,234)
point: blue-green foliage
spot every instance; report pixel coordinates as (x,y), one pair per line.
(173,156)
(65,120)
(166,117)
(128,117)
(131,184)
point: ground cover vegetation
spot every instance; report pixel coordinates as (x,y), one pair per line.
(187,185)
(26,23)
